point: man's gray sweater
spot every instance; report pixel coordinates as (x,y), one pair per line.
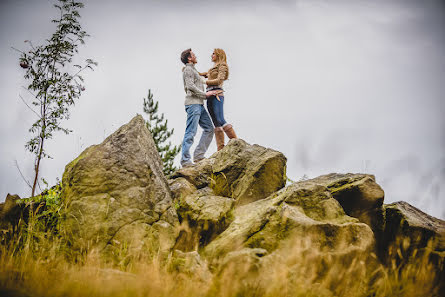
(193,85)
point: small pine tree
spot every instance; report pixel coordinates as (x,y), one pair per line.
(158,128)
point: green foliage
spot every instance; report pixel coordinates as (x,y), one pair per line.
(160,132)
(38,228)
(50,216)
(46,209)
(55,82)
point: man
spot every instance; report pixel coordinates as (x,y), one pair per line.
(196,113)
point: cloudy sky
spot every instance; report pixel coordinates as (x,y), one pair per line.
(337,86)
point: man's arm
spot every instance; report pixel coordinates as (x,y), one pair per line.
(189,84)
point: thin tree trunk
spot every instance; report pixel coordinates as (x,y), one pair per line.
(36,168)
(42,139)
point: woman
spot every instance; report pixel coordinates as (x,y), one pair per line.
(216,77)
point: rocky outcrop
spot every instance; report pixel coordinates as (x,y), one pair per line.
(409,230)
(10,212)
(303,210)
(203,216)
(231,214)
(197,176)
(359,195)
(247,172)
(207,192)
(261,216)
(116,193)
(240,171)
(412,235)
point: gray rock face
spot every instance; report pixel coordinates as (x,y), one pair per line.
(411,234)
(203,216)
(240,171)
(409,229)
(116,193)
(359,195)
(247,172)
(198,176)
(232,209)
(304,209)
(11,212)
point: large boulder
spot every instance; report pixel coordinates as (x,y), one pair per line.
(240,171)
(11,212)
(206,193)
(403,219)
(359,195)
(247,172)
(412,236)
(115,194)
(203,216)
(302,210)
(198,176)
(408,229)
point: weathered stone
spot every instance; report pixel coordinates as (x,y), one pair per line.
(409,229)
(197,175)
(116,193)
(190,263)
(359,195)
(203,216)
(247,172)
(409,233)
(10,211)
(241,171)
(247,260)
(181,187)
(304,209)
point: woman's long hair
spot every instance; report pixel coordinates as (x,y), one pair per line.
(221,58)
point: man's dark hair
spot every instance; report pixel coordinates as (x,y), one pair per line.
(185,56)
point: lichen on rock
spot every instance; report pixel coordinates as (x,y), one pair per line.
(303,209)
(115,194)
(203,216)
(247,172)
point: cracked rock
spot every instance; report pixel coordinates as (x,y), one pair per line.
(116,194)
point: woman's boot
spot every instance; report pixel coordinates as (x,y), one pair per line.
(229,131)
(219,136)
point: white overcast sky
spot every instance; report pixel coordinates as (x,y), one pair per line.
(337,86)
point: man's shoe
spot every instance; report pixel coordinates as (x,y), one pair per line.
(198,160)
(187,165)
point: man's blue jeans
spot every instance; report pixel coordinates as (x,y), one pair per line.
(196,115)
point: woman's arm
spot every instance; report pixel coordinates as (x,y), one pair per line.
(203,74)
(222,74)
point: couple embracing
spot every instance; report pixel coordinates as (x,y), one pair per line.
(194,86)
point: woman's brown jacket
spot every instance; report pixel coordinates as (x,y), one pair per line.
(217,75)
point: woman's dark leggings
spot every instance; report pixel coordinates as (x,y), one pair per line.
(216,110)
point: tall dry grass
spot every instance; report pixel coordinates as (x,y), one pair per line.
(36,262)
(46,271)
